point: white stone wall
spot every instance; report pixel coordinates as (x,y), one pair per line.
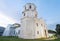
(29,27)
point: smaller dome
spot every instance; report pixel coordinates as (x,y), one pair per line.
(16,25)
(30,6)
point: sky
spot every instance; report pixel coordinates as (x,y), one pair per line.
(11,11)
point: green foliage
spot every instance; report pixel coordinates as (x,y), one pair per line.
(51,31)
(58,29)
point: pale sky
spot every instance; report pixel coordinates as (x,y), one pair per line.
(11,11)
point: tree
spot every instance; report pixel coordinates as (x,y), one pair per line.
(51,31)
(58,29)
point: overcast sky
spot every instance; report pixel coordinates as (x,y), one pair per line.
(11,11)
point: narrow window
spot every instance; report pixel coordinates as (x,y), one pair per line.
(30,7)
(19,32)
(37,32)
(25,8)
(41,24)
(14,31)
(37,24)
(45,33)
(24,14)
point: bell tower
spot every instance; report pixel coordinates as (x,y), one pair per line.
(28,20)
(31,26)
(29,10)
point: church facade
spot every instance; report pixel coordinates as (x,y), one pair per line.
(31,26)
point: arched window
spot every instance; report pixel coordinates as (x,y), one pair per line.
(37,32)
(37,24)
(24,14)
(30,6)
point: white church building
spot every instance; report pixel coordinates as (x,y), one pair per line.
(31,26)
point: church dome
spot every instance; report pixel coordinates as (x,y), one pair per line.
(30,6)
